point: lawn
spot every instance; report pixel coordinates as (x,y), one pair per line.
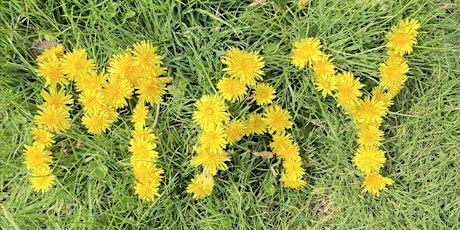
(94,187)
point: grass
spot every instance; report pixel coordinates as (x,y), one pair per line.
(94,188)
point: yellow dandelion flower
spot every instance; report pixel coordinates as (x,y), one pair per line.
(370,135)
(256,124)
(235,130)
(402,38)
(369,159)
(91,100)
(292,181)
(96,122)
(41,179)
(280,142)
(145,134)
(42,136)
(56,98)
(379,94)
(145,54)
(124,65)
(305,52)
(375,182)
(201,185)
(323,67)
(277,119)
(301,3)
(146,191)
(152,89)
(326,84)
(142,151)
(288,152)
(394,90)
(140,114)
(148,173)
(370,111)
(52,72)
(348,89)
(116,91)
(56,51)
(111,113)
(231,89)
(264,94)
(91,81)
(53,119)
(210,160)
(76,65)
(293,166)
(213,139)
(392,72)
(35,156)
(211,111)
(244,66)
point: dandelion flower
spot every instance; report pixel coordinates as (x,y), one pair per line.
(244,66)
(370,135)
(292,181)
(231,89)
(41,179)
(305,52)
(116,91)
(140,114)
(214,138)
(124,65)
(369,159)
(323,67)
(42,136)
(56,98)
(152,89)
(148,174)
(142,154)
(375,182)
(76,65)
(56,51)
(111,113)
(288,152)
(146,191)
(53,119)
(35,156)
(392,72)
(201,185)
(96,122)
(281,141)
(370,111)
(92,81)
(277,119)
(211,111)
(91,100)
(210,160)
(144,134)
(325,84)
(301,3)
(235,130)
(52,71)
(348,89)
(402,38)
(379,94)
(264,94)
(145,54)
(256,124)
(293,166)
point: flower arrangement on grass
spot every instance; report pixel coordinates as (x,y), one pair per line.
(135,73)
(217,130)
(367,112)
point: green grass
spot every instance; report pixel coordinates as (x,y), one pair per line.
(95,185)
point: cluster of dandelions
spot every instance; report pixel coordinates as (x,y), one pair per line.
(136,72)
(218,131)
(367,112)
